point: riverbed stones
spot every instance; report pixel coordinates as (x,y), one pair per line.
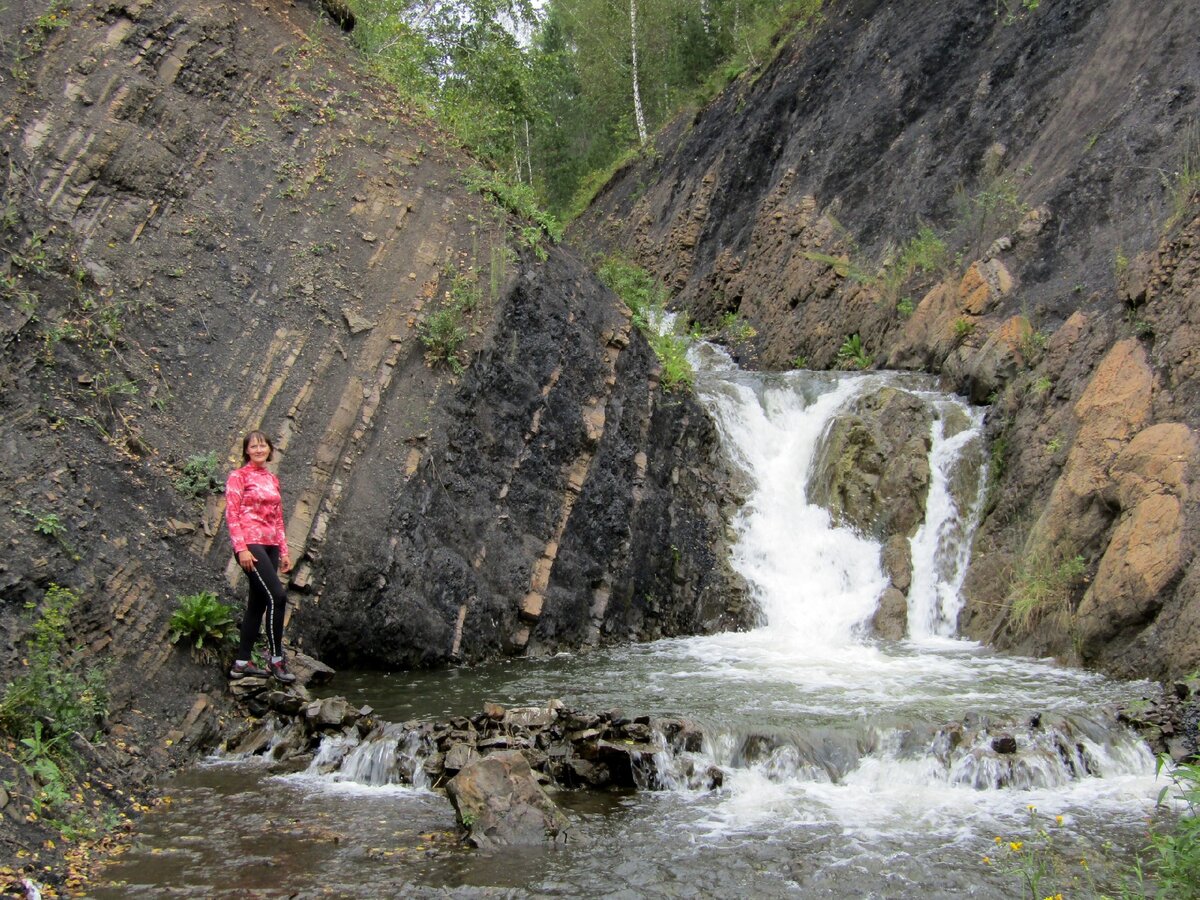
(500,803)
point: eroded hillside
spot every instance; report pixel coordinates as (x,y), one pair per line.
(1004,196)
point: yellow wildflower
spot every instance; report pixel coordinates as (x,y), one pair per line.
(1058,819)
(1015,846)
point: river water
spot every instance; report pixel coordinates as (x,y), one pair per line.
(853,767)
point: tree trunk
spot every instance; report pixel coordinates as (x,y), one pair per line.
(637,96)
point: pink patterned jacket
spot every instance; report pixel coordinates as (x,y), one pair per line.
(254,508)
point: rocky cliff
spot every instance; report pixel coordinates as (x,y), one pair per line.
(215,218)
(1002,195)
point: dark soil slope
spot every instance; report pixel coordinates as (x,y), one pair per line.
(995,194)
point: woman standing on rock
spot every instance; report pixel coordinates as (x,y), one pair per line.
(254,514)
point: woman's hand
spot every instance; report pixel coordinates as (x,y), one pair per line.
(246,560)
(285,564)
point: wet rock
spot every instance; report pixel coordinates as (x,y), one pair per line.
(890,621)
(531,717)
(1004,743)
(308,669)
(331,712)
(459,756)
(1002,357)
(499,802)
(872,469)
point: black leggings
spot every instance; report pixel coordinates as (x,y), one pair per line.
(267,595)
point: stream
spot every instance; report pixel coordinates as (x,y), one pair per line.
(854,767)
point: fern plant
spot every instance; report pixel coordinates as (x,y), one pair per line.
(203,620)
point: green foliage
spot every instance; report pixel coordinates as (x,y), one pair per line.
(46,707)
(1175,866)
(905,306)
(464,291)
(442,333)
(1012,10)
(555,111)
(963,327)
(852,354)
(203,620)
(800,361)
(47,701)
(49,524)
(995,209)
(199,476)
(1044,585)
(647,298)
(1042,385)
(519,199)
(923,254)
(736,328)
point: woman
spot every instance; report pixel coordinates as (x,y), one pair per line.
(254,514)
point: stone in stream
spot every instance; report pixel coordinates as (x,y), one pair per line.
(499,802)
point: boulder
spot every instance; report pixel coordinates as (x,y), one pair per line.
(500,803)
(1146,552)
(1002,357)
(872,469)
(308,669)
(891,616)
(330,713)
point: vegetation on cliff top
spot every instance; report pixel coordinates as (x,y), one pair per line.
(554,94)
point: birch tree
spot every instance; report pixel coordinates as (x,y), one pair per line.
(638,115)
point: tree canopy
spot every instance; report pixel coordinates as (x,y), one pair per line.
(554,94)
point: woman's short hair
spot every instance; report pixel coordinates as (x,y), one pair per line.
(246,445)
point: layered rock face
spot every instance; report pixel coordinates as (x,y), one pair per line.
(570,502)
(215,220)
(943,184)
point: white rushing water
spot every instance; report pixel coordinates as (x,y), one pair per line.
(818,585)
(852,766)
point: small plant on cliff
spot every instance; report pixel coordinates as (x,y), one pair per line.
(1044,585)
(516,197)
(203,620)
(994,209)
(647,298)
(464,290)
(922,254)
(842,266)
(442,333)
(199,476)
(963,327)
(1183,184)
(736,327)
(851,353)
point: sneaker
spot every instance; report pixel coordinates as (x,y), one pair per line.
(247,669)
(280,673)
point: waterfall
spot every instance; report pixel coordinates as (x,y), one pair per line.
(814,582)
(861,713)
(941,548)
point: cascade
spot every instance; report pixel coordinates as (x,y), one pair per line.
(850,765)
